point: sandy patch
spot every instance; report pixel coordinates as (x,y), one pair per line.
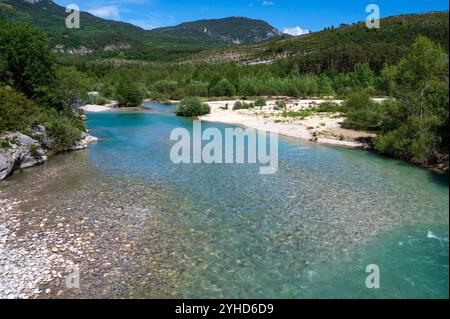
(93,108)
(321,128)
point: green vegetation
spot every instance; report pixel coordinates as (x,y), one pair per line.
(225,30)
(279,106)
(329,107)
(261,102)
(5,143)
(34,90)
(222,88)
(362,112)
(26,63)
(192,107)
(340,49)
(99,38)
(243,106)
(402,64)
(128,93)
(417,127)
(34,150)
(97,100)
(414,126)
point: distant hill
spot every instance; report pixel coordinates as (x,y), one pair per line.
(233,30)
(99,37)
(105,38)
(341,48)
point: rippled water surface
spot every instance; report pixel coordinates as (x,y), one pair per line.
(225,231)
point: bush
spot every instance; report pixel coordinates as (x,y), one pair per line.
(330,107)
(261,102)
(362,112)
(96,100)
(19,113)
(107,90)
(65,129)
(192,107)
(279,106)
(416,140)
(128,94)
(242,106)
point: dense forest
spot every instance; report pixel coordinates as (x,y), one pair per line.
(412,124)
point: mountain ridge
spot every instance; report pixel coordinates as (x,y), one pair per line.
(231,30)
(107,38)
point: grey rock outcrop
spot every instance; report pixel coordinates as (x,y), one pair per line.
(42,136)
(19,151)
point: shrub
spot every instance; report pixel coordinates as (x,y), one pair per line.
(242,106)
(71,87)
(97,100)
(19,113)
(5,143)
(107,90)
(192,107)
(330,107)
(64,128)
(33,148)
(279,106)
(128,94)
(261,102)
(362,112)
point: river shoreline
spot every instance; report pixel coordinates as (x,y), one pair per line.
(319,128)
(134,237)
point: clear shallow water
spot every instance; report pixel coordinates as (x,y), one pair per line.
(308,231)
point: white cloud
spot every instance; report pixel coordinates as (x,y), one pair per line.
(267,3)
(295,31)
(106,12)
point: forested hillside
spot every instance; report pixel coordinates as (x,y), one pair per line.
(100,38)
(232,30)
(339,49)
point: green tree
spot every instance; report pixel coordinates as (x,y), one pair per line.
(417,129)
(362,112)
(192,106)
(196,88)
(128,93)
(71,86)
(223,88)
(26,61)
(165,88)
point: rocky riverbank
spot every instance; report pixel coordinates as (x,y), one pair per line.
(19,151)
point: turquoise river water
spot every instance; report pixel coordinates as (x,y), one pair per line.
(308,231)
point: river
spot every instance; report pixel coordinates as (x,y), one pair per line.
(225,231)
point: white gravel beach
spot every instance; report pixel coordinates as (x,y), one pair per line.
(321,127)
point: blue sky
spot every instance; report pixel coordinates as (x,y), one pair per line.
(296,15)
